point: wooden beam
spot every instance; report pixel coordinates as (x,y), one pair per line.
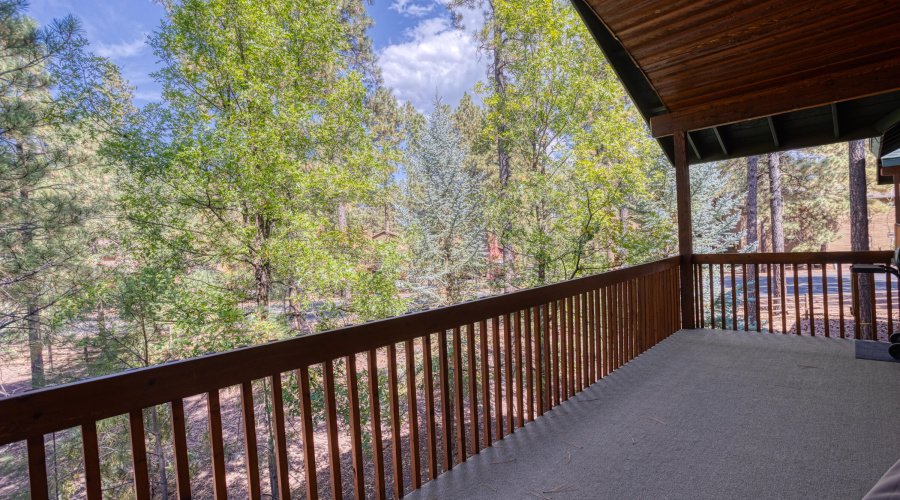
(685,230)
(834,120)
(773,130)
(840,84)
(721,142)
(694,147)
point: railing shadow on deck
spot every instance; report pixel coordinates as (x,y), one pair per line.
(484,368)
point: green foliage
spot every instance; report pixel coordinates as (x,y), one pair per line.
(577,147)
(443,215)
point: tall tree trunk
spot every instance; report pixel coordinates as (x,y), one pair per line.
(777,216)
(262,267)
(35,345)
(33,317)
(859,233)
(503,162)
(752,239)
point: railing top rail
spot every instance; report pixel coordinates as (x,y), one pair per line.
(872,257)
(40,412)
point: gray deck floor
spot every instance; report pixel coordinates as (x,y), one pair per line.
(705,414)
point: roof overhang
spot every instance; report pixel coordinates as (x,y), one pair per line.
(747,77)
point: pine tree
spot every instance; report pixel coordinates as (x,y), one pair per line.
(442,214)
(43,159)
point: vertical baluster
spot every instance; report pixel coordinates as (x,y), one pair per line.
(571,347)
(473,388)
(458,393)
(698,298)
(563,350)
(734,308)
(308,431)
(598,336)
(701,297)
(744,288)
(614,333)
(890,305)
(811,302)
(577,364)
(331,431)
(874,327)
(712,299)
(498,380)
(519,355)
(607,333)
(840,278)
(782,284)
(485,382)
(91,456)
(430,424)
(770,291)
(540,329)
(179,441)
(138,455)
(217,448)
(356,449)
(722,295)
(758,299)
(854,291)
(396,437)
(591,298)
(825,299)
(446,411)
(546,342)
(37,468)
(251,460)
(529,363)
(795,268)
(508,372)
(554,359)
(411,390)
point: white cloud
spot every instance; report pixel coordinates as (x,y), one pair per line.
(121,50)
(411,9)
(438,58)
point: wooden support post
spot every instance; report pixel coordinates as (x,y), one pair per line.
(685,231)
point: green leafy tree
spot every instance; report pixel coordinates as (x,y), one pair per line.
(260,137)
(573,180)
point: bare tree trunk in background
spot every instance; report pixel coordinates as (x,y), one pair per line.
(859,232)
(262,267)
(777,215)
(35,345)
(342,227)
(752,239)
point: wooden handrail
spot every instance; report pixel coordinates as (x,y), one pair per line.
(871,257)
(36,413)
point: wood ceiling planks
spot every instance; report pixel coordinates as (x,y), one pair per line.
(714,62)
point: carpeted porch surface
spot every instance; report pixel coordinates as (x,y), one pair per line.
(705,414)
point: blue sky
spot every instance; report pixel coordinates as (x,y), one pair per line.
(418,49)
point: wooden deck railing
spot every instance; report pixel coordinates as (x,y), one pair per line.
(810,293)
(501,362)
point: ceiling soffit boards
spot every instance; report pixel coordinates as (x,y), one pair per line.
(747,77)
